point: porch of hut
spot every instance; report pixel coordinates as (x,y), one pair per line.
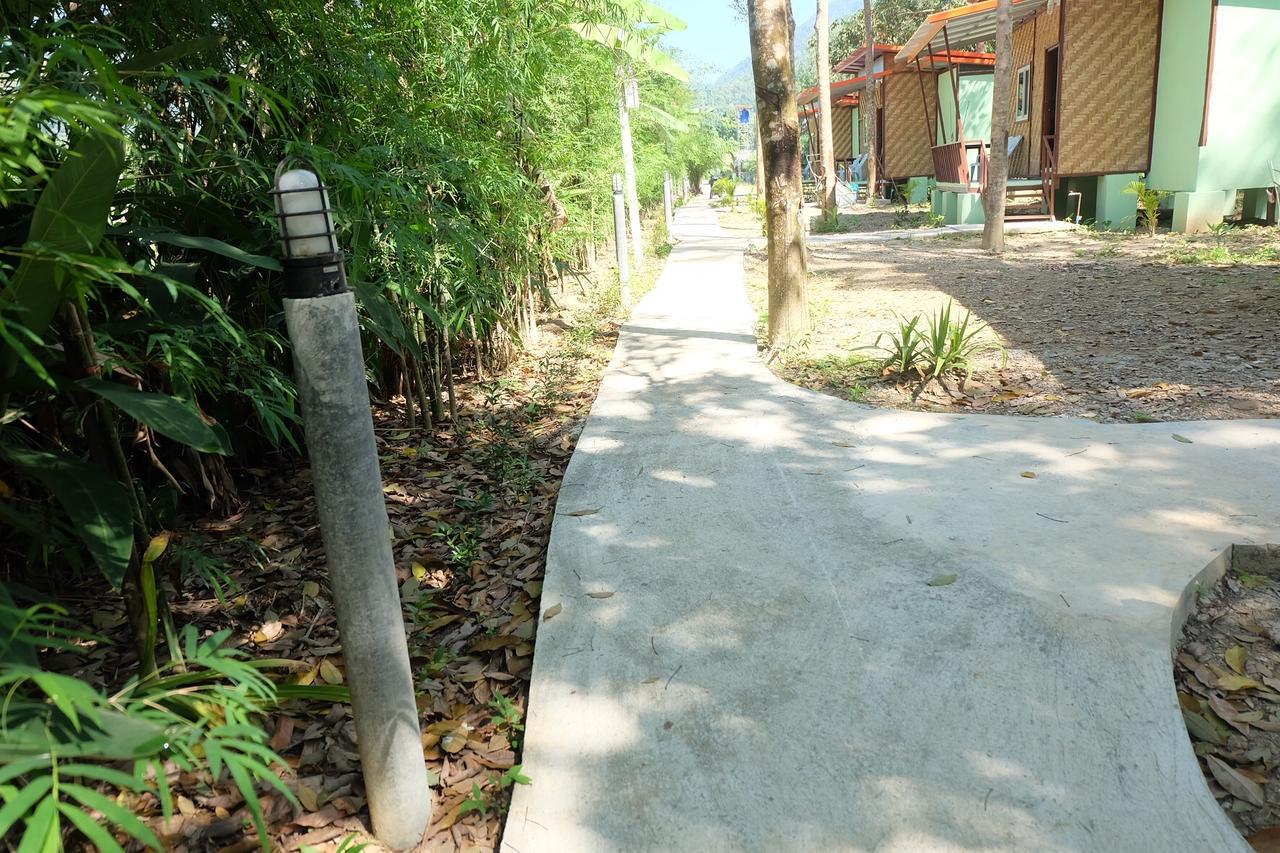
(962,129)
(846,134)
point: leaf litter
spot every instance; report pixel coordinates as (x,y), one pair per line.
(1227,673)
(470,515)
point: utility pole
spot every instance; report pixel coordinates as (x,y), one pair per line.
(620,241)
(868,102)
(629,99)
(826,141)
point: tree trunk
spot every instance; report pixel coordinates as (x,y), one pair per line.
(772,34)
(828,193)
(868,102)
(629,180)
(1002,102)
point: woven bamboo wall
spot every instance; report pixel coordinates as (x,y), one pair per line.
(811,125)
(1024,51)
(842,133)
(908,151)
(1108,76)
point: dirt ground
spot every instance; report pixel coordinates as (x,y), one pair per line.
(1228,677)
(1097,325)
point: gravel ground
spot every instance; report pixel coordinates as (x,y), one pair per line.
(1109,327)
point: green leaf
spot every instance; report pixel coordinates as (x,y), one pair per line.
(33,731)
(99,837)
(167,415)
(208,244)
(111,776)
(245,784)
(169,55)
(650,14)
(14,769)
(70,217)
(113,812)
(97,504)
(43,829)
(17,808)
(943,580)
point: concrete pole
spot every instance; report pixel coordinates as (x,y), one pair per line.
(629,171)
(620,241)
(320,313)
(667,200)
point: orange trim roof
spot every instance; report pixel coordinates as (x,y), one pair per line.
(942,59)
(978,20)
(853,62)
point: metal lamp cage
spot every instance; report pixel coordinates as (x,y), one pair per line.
(277,194)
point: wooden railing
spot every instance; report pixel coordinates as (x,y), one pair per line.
(950,166)
(1049,170)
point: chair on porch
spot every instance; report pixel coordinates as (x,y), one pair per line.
(857,176)
(1015,142)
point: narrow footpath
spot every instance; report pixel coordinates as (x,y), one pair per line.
(740,649)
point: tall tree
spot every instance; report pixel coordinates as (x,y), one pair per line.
(868,108)
(772,34)
(826,142)
(1002,98)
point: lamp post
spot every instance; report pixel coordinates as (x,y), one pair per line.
(620,241)
(320,313)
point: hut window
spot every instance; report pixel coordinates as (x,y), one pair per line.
(1024,94)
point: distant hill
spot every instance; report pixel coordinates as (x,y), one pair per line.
(736,86)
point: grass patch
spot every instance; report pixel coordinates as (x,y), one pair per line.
(1223,256)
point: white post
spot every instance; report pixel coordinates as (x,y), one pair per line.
(320,313)
(620,241)
(629,169)
(666,200)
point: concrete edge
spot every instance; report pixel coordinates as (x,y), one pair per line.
(1189,600)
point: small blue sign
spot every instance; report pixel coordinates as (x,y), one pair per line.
(744,117)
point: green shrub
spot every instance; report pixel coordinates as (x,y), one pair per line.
(1148,203)
(942,345)
(726,188)
(63,741)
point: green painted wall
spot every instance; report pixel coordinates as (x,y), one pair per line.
(1184,56)
(1244,108)
(1244,104)
(975,106)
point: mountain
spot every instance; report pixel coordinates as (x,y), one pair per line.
(736,86)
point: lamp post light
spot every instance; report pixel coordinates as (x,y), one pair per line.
(320,313)
(620,241)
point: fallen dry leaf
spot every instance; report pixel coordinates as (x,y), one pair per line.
(1235,783)
(1235,658)
(552,612)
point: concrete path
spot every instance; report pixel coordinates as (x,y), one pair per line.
(740,649)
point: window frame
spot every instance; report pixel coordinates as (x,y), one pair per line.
(1022,93)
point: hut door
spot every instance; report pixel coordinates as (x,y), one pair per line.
(1049,127)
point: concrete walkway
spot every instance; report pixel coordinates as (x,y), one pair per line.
(744,652)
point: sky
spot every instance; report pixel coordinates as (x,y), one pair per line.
(716,35)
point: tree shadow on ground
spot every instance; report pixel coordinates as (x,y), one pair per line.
(749,655)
